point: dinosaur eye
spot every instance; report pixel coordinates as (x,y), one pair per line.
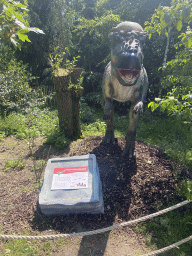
(117,38)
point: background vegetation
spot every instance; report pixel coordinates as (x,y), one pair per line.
(81,28)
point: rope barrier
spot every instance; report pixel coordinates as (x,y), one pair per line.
(98,231)
(169,247)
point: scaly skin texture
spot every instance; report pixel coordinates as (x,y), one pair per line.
(125,79)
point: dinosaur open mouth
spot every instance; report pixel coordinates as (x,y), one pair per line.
(129,73)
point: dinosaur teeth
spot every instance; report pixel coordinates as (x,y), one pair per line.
(128,73)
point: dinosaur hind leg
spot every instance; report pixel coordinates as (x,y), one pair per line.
(109,117)
(131,133)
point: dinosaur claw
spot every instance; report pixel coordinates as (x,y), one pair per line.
(138,109)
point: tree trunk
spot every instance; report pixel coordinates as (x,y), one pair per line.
(68,102)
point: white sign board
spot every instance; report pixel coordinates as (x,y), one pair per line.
(70,178)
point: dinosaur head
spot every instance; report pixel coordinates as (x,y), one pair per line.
(126,51)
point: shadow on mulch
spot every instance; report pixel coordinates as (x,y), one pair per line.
(131,189)
(46,150)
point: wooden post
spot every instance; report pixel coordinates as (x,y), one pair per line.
(68,101)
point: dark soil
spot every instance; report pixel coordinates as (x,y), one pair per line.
(131,189)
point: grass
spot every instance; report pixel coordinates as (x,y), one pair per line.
(169,229)
(15,163)
(167,133)
(25,248)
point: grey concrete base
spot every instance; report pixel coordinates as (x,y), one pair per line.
(72,201)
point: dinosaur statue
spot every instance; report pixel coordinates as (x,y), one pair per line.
(125,79)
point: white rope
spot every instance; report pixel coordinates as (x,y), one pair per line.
(169,247)
(98,231)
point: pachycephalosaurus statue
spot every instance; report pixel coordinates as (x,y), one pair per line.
(125,79)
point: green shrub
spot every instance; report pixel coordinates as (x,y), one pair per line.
(94,129)
(94,99)
(15,163)
(58,139)
(11,124)
(15,92)
(86,113)
(39,122)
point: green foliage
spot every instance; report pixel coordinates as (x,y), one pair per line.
(176,76)
(177,79)
(186,38)
(168,133)
(186,189)
(93,36)
(59,22)
(94,129)
(86,113)
(57,58)
(14,26)
(55,18)
(58,139)
(168,229)
(170,17)
(15,164)
(20,247)
(29,125)
(11,124)
(94,99)
(15,92)
(32,125)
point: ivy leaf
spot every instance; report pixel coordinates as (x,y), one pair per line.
(179,25)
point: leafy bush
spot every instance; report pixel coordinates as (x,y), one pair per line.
(15,163)
(34,124)
(15,92)
(177,79)
(94,129)
(94,99)
(58,139)
(86,113)
(12,124)
(29,125)
(177,75)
